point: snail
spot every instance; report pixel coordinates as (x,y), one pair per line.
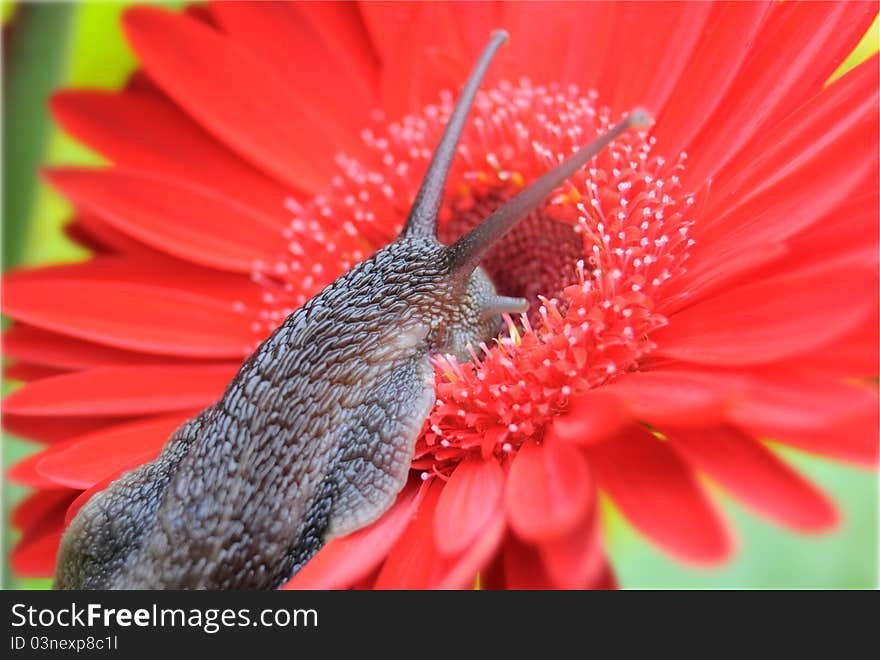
(314,436)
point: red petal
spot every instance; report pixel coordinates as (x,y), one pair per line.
(282,36)
(155,269)
(345,561)
(187,221)
(606,578)
(462,572)
(144,131)
(467,503)
(575,560)
(77,231)
(39,505)
(31,344)
(411,560)
(855,354)
(415,562)
(342,28)
(83,461)
(427,47)
(627,81)
(800,400)
(34,554)
(718,275)
(770,319)
(123,391)
(591,417)
(836,122)
(54,429)
(799,47)
(848,235)
(549,489)
(772,195)
(678,398)
(137,316)
(24,472)
(853,440)
(811,410)
(26,372)
(556,42)
(411,78)
(385,21)
(475,21)
(756,476)
(200,13)
(523,568)
(232,94)
(577,42)
(96,235)
(710,71)
(660,495)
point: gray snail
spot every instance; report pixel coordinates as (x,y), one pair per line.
(314,436)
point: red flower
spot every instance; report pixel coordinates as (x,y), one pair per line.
(697,289)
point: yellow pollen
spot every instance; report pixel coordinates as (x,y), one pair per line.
(513,331)
(448,374)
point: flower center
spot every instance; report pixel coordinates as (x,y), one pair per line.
(536,258)
(593,261)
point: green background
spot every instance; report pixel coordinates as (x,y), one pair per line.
(48,46)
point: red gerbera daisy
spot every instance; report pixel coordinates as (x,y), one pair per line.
(696,289)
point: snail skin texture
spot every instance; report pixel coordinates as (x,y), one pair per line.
(314,436)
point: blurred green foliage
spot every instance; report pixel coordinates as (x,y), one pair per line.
(49,46)
(97,56)
(7,9)
(37,44)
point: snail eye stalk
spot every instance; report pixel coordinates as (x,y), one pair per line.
(422,220)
